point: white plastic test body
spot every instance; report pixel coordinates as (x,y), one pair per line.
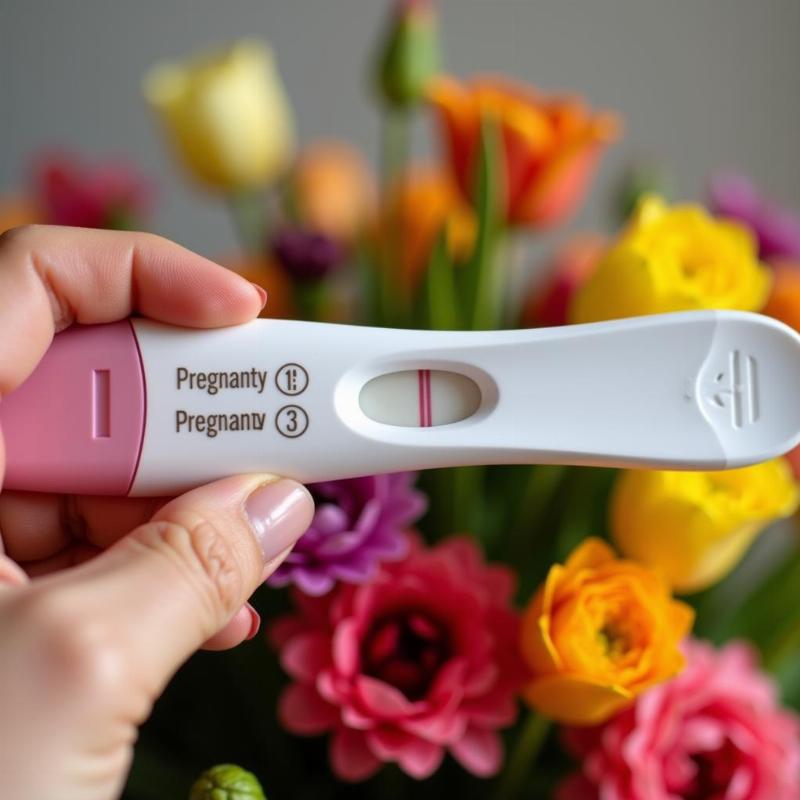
(312,401)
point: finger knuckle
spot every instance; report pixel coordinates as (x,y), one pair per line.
(200,549)
(78,647)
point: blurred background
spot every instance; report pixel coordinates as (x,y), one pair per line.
(699,85)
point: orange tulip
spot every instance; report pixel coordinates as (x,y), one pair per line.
(550,145)
(16,211)
(333,190)
(424,202)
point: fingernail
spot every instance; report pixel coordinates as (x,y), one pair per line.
(279,514)
(255,622)
(261,293)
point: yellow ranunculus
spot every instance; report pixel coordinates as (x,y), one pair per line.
(227,115)
(694,527)
(674,258)
(597,633)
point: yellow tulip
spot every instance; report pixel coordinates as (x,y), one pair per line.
(694,527)
(599,632)
(226,115)
(674,258)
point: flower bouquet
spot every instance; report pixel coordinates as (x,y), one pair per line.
(500,632)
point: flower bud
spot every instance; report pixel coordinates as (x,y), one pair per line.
(227,782)
(409,57)
(306,255)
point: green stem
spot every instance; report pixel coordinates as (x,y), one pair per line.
(395,134)
(523,757)
(395,145)
(250,220)
(310,299)
(541,487)
(467,491)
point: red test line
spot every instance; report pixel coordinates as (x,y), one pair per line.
(424,391)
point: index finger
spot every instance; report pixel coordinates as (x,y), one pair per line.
(51,277)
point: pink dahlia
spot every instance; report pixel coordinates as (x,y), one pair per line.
(715,732)
(359,523)
(421,660)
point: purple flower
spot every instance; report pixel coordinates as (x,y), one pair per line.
(776,229)
(306,255)
(359,523)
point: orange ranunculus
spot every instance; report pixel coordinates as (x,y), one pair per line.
(784,299)
(599,632)
(550,145)
(16,211)
(266,273)
(422,203)
(333,190)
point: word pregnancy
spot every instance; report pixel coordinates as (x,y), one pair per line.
(213,382)
(213,424)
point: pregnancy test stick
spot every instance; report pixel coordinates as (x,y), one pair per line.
(141,408)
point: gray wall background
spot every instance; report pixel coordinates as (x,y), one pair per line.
(701,83)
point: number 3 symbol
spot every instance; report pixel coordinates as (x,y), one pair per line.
(291,421)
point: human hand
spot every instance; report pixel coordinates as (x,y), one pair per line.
(102,599)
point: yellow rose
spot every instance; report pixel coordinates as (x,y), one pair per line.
(227,115)
(694,527)
(674,259)
(597,633)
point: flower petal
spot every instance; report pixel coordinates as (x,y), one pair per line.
(382,700)
(351,758)
(480,751)
(303,656)
(346,647)
(416,756)
(304,712)
(574,700)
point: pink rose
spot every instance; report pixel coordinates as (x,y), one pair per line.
(715,732)
(420,660)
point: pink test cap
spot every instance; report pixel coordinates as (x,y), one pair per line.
(76,424)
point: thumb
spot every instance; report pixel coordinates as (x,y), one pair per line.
(175,581)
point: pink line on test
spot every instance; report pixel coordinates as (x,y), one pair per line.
(424,384)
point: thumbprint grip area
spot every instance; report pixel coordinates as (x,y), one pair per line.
(420,398)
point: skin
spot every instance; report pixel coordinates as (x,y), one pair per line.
(102,599)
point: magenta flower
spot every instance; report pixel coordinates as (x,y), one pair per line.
(776,229)
(421,660)
(359,523)
(716,731)
(112,194)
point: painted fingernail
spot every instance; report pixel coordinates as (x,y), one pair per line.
(255,622)
(279,515)
(262,293)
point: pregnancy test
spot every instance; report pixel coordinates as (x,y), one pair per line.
(141,408)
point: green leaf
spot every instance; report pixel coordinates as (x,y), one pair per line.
(440,289)
(483,279)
